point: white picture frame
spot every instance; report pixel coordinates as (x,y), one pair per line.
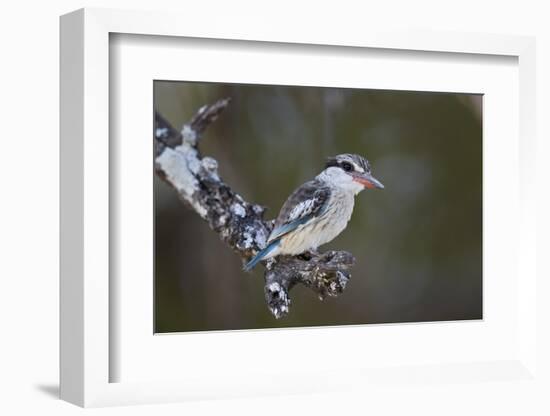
(87,356)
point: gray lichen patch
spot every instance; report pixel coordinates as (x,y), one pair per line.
(189,135)
(176,170)
(261,236)
(277,299)
(238,210)
(161,132)
(210,165)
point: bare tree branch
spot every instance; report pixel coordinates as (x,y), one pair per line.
(239,224)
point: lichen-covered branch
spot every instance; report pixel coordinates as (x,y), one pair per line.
(239,224)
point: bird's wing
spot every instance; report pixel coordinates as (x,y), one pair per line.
(304,205)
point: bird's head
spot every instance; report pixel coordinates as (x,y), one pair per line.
(351,172)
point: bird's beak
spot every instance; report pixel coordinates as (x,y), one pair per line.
(367,180)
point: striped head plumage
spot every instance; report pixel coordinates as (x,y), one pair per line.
(351,172)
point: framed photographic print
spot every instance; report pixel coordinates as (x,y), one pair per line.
(266,214)
(405,265)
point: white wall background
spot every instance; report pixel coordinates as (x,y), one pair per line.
(29,205)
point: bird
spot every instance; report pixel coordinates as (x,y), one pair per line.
(319,210)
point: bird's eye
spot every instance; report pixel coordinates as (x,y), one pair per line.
(348,167)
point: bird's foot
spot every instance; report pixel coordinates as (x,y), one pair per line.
(308,255)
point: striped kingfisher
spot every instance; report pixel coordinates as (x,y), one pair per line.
(320,209)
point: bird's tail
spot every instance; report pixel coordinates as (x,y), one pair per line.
(261,255)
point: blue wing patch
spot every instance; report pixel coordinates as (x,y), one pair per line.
(288,227)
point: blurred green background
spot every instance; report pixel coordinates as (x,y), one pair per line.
(418,243)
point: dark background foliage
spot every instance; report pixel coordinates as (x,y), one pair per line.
(418,243)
